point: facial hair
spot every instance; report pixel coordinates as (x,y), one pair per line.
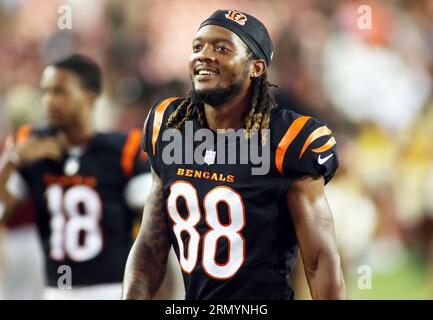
(216,97)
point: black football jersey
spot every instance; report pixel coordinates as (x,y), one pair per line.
(82,215)
(231,229)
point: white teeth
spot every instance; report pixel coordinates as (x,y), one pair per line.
(206,72)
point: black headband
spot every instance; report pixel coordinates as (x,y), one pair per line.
(248,28)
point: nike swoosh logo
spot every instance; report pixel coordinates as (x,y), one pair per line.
(322,161)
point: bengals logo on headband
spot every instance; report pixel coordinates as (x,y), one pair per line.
(236,16)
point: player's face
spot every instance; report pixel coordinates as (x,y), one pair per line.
(219,59)
(63,97)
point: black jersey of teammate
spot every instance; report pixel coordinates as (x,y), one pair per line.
(231,230)
(82,215)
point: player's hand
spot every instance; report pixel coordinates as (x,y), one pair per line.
(39,148)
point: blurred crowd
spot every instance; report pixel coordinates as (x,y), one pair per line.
(370,80)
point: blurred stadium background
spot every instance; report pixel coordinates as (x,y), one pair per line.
(373,86)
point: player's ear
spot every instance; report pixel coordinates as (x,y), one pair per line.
(258,67)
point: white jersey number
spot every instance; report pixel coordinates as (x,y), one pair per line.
(230,231)
(68,224)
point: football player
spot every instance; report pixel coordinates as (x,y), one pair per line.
(235,231)
(84,185)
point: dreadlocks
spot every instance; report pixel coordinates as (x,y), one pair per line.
(257,119)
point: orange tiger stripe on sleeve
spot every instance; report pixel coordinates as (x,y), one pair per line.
(130,149)
(328,145)
(23,133)
(157,121)
(287,139)
(319,132)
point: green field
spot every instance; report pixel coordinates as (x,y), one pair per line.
(407,280)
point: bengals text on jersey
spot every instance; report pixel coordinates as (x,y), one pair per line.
(231,230)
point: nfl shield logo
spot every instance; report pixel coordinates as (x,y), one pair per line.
(209,157)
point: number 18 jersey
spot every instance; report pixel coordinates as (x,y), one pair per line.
(83,217)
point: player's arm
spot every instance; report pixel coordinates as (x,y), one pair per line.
(314,228)
(20,154)
(147,261)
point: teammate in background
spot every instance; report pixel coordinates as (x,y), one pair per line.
(84,185)
(236,234)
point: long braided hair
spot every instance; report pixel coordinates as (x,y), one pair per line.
(257,119)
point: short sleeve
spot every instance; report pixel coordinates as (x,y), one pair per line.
(22,134)
(153,126)
(133,160)
(146,140)
(307,147)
